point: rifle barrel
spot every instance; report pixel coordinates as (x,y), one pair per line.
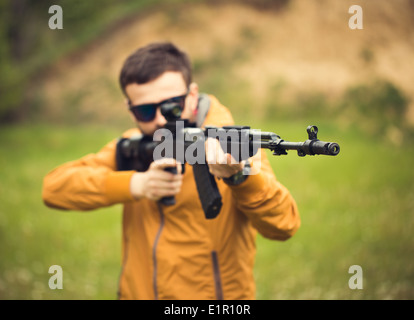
(311,147)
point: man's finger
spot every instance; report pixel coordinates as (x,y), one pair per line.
(162,164)
(214,152)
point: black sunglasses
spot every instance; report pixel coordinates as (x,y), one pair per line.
(146,112)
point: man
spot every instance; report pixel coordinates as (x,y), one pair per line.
(173,252)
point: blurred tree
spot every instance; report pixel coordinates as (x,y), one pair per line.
(14,31)
(18,35)
(377,106)
(28,46)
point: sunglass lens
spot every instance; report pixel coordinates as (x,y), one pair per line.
(145,113)
(180,101)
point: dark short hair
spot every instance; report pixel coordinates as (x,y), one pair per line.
(149,62)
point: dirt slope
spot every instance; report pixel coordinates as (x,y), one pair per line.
(308,45)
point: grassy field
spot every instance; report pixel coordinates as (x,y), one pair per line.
(356,209)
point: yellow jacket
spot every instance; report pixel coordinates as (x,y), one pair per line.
(173,252)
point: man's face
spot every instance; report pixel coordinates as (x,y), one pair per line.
(168,85)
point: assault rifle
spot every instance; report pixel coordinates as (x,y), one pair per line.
(182,140)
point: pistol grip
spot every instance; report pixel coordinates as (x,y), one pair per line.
(169,201)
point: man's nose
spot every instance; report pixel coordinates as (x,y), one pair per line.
(159,118)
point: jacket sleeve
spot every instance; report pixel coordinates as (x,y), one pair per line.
(88,183)
(266,202)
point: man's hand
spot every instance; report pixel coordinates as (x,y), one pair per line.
(155,183)
(221,165)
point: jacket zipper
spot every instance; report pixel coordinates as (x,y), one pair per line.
(122,268)
(154,251)
(217,277)
(216,269)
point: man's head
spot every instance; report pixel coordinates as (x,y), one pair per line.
(154,73)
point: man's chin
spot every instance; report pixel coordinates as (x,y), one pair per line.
(147,132)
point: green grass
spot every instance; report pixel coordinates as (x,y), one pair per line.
(356,209)
(34,237)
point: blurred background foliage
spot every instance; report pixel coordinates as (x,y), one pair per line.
(279,65)
(266,48)
(28,47)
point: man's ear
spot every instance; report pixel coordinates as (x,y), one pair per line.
(127,104)
(132,117)
(193,88)
(193,95)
